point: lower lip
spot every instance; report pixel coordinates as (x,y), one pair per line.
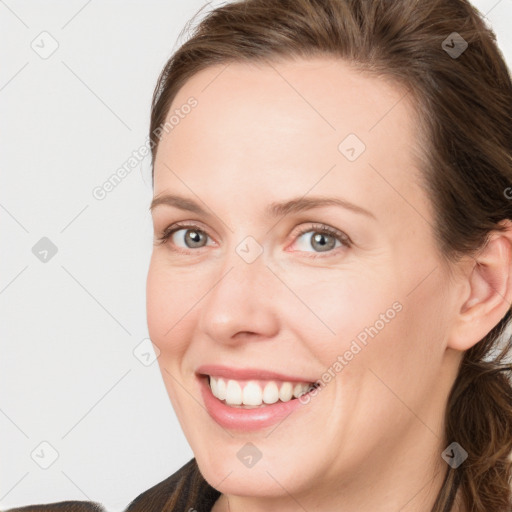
(246,420)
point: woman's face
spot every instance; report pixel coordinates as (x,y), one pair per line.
(241,288)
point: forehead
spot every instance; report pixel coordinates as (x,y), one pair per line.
(290,126)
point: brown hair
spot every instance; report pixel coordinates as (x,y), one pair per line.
(464,107)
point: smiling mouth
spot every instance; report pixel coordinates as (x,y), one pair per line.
(251,394)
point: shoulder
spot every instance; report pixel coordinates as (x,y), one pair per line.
(61,506)
(184,491)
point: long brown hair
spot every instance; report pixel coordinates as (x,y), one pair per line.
(464,107)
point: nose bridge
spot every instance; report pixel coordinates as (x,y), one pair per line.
(240,299)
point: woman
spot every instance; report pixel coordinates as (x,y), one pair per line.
(331,276)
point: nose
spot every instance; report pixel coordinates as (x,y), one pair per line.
(240,304)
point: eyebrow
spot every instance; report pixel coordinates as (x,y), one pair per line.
(276,209)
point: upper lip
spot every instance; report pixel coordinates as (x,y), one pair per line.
(217,370)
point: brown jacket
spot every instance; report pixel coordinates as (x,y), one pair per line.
(184,491)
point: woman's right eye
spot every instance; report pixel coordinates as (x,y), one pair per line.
(192,237)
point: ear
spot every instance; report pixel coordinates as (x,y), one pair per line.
(490,296)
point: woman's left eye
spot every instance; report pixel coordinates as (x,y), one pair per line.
(322,238)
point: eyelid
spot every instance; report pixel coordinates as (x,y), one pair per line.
(322,228)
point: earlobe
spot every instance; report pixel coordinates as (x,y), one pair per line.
(490,296)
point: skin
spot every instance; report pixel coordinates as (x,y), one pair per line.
(371,440)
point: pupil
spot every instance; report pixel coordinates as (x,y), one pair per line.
(320,239)
(194,236)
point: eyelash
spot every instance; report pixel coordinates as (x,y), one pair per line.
(317,228)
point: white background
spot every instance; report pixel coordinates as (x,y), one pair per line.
(69,326)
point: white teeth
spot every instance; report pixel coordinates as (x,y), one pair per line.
(214,386)
(221,388)
(271,393)
(298,390)
(286,392)
(252,393)
(233,393)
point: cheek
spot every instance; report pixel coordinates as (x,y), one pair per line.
(403,352)
(366,321)
(345,307)
(171,306)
